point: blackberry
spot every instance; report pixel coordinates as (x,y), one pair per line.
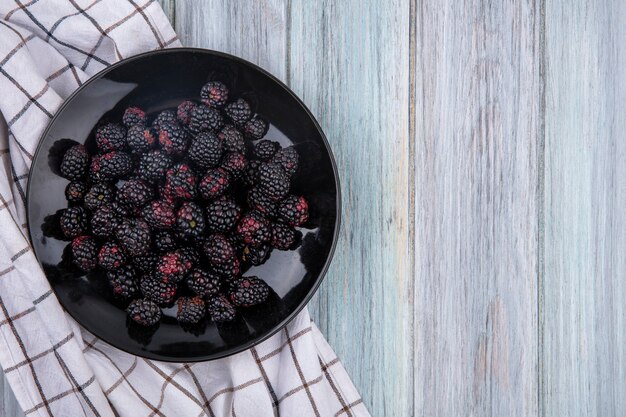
(111,166)
(294,210)
(205,150)
(257,200)
(228,270)
(159,215)
(214,94)
(84,253)
(255,128)
(190,310)
(250,173)
(134,236)
(287,158)
(238,111)
(133,116)
(264,150)
(153,166)
(248,291)
(74,163)
(273,181)
(254,229)
(218,249)
(164,241)
(189,256)
(214,183)
(205,118)
(255,256)
(184,111)
(110,137)
(222,215)
(172,267)
(123,281)
(111,256)
(73,221)
(190,219)
(75,191)
(124,210)
(283,236)
(144,312)
(173,139)
(234,163)
(232,139)
(135,193)
(159,291)
(99,195)
(180,182)
(145,263)
(203,283)
(165,117)
(104,221)
(220,309)
(140,139)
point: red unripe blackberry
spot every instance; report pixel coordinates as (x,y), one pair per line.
(273,181)
(287,158)
(74,163)
(214,183)
(204,118)
(110,166)
(140,139)
(159,291)
(75,191)
(214,94)
(173,139)
(294,210)
(220,309)
(248,291)
(205,150)
(222,215)
(184,111)
(110,137)
(283,236)
(111,256)
(73,221)
(134,116)
(218,249)
(144,312)
(181,182)
(123,281)
(134,236)
(234,163)
(190,219)
(264,150)
(232,139)
(254,229)
(172,267)
(203,283)
(159,214)
(238,111)
(84,253)
(255,128)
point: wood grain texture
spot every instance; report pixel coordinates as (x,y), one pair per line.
(476,109)
(583,318)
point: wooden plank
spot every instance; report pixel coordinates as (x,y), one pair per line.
(348,61)
(584,292)
(477,113)
(9,406)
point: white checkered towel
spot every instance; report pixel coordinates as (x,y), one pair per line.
(47,49)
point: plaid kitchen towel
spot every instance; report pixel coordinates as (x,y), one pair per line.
(47,49)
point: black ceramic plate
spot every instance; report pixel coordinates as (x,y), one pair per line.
(156,81)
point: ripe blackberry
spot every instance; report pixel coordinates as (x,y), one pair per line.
(189,256)
(123,281)
(159,214)
(159,291)
(111,166)
(134,116)
(99,194)
(283,236)
(214,94)
(173,139)
(254,229)
(256,256)
(110,137)
(232,139)
(294,210)
(134,236)
(111,256)
(180,182)
(205,118)
(124,210)
(248,291)
(144,312)
(218,249)
(257,200)
(273,181)
(145,263)
(228,270)
(250,173)
(104,221)
(203,283)
(264,150)
(255,128)
(84,253)
(222,215)
(75,191)
(166,116)
(135,193)
(234,163)
(74,163)
(153,166)
(287,158)
(164,241)
(238,111)
(140,139)
(214,183)
(172,267)
(205,150)
(220,309)
(190,219)
(190,310)
(73,221)
(184,111)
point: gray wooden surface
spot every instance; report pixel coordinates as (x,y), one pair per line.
(481,147)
